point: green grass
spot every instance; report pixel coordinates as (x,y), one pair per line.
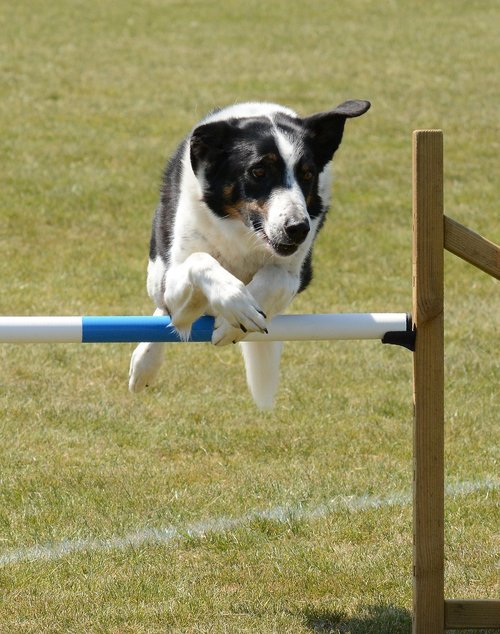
(93,98)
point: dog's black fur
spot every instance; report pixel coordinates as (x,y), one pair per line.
(242,201)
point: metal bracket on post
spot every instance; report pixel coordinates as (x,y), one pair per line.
(404,339)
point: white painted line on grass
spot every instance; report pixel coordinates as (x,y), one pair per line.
(220,525)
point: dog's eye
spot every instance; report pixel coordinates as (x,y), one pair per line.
(258,172)
(307,174)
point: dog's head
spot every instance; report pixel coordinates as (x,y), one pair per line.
(265,170)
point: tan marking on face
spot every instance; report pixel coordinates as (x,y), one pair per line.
(309,198)
(243,207)
(228,191)
(260,208)
(272,157)
(233,211)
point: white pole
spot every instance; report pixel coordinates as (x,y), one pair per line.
(332,326)
(40,329)
(134,329)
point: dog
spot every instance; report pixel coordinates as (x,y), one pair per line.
(242,200)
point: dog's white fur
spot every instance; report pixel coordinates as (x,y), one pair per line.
(223,268)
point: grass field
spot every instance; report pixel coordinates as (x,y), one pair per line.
(185,509)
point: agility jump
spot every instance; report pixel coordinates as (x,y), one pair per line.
(423,333)
(385,326)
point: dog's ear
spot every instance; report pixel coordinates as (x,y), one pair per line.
(324,130)
(208,142)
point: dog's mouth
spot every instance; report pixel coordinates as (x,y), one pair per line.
(280,248)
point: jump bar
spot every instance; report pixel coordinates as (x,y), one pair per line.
(311,327)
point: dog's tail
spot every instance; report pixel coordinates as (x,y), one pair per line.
(262,364)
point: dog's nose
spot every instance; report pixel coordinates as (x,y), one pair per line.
(297,231)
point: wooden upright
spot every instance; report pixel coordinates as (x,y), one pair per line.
(428,373)
(432,233)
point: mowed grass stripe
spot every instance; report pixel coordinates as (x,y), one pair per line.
(218,525)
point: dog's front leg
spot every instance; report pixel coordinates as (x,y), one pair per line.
(273,288)
(200,285)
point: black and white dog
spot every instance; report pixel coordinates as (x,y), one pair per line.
(241,203)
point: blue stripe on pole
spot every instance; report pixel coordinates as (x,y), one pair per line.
(135,329)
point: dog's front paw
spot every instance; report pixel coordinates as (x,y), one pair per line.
(144,365)
(238,307)
(224,333)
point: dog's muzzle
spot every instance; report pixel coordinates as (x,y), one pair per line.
(294,234)
(287,225)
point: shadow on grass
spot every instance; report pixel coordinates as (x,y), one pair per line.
(372,619)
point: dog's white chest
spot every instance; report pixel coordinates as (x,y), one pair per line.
(231,255)
(228,241)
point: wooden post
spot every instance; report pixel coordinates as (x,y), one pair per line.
(428,382)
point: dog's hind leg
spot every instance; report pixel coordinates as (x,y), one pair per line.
(262,365)
(145,363)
